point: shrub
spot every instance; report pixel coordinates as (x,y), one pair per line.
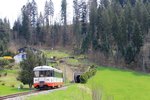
(8,53)
(93,72)
(12,85)
(3,62)
(5,74)
(21,86)
(3,84)
(0,75)
(12,60)
(85,76)
(7,67)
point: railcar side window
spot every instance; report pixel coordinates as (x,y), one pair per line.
(51,73)
(57,74)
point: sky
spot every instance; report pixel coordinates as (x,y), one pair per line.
(11,9)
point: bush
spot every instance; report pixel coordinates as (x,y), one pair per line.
(12,85)
(5,74)
(7,67)
(4,62)
(3,84)
(8,53)
(12,60)
(21,86)
(0,75)
(93,72)
(85,76)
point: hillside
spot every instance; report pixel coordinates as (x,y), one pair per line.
(108,84)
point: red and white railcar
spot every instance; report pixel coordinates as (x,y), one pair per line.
(47,76)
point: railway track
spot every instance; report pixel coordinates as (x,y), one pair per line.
(29,93)
(18,94)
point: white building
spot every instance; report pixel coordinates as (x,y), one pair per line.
(20,57)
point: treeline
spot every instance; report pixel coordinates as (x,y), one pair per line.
(4,36)
(115,32)
(118,28)
(107,29)
(32,28)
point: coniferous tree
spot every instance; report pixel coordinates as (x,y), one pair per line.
(84,33)
(64,21)
(46,13)
(4,36)
(39,29)
(26,26)
(76,23)
(34,13)
(93,19)
(17,29)
(51,10)
(32,60)
(34,17)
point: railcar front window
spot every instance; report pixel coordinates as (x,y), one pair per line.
(45,73)
(42,73)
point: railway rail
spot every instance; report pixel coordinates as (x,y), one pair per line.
(28,93)
(18,94)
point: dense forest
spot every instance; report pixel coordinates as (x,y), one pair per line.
(110,32)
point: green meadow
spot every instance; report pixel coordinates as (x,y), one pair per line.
(9,83)
(121,84)
(5,90)
(56,53)
(74,92)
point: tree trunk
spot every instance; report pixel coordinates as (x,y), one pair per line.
(30,86)
(143,65)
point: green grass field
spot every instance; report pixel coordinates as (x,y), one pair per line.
(5,90)
(9,81)
(74,92)
(121,84)
(56,53)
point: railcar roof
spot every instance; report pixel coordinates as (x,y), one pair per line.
(44,68)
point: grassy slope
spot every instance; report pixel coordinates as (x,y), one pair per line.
(9,80)
(114,83)
(122,85)
(74,92)
(55,53)
(5,90)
